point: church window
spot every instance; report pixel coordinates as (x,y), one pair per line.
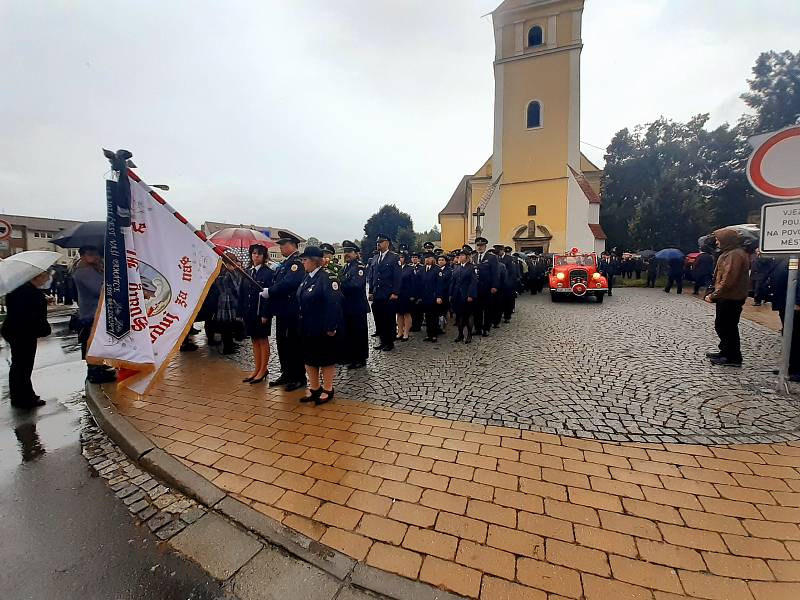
(534,115)
(532,210)
(535,36)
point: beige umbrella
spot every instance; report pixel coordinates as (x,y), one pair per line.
(21,268)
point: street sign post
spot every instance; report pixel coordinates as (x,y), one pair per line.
(774,170)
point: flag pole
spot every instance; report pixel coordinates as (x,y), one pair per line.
(198,233)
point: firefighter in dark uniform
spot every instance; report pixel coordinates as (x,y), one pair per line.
(499,298)
(282,296)
(432,296)
(384,286)
(331,268)
(464,294)
(488,285)
(446,269)
(417,311)
(509,297)
(320,303)
(355,307)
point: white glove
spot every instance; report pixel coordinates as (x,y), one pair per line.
(265,293)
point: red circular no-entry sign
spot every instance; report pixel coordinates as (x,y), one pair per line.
(5,230)
(774,167)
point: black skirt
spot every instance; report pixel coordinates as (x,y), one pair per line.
(321,350)
(256,329)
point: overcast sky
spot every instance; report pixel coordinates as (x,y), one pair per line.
(311,114)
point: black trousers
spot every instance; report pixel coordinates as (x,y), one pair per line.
(651,278)
(417,314)
(483,312)
(701,281)
(794,356)
(677,280)
(432,313)
(356,339)
(497,307)
(287,337)
(509,302)
(385,314)
(23,354)
(726,325)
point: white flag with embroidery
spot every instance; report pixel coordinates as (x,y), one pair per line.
(170,269)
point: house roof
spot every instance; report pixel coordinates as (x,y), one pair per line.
(210,227)
(457,205)
(588,191)
(42,223)
(597,231)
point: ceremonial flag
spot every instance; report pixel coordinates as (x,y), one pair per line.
(167,268)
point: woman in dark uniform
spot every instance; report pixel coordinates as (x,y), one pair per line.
(254,311)
(320,320)
(407,298)
(464,294)
(25,323)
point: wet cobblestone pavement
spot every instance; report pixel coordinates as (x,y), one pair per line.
(631,369)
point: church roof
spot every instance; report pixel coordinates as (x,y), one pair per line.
(457,205)
(591,195)
(597,231)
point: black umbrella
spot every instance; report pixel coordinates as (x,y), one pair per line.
(91,233)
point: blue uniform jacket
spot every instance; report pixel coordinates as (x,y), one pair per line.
(251,304)
(283,291)
(463,285)
(488,272)
(354,288)
(431,288)
(385,279)
(320,302)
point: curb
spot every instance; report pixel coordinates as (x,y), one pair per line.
(157,462)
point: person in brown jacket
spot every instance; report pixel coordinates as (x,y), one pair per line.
(731,283)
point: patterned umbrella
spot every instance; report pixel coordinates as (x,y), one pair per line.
(240,237)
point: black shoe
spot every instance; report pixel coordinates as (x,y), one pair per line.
(388,348)
(30,404)
(249,379)
(429,339)
(725,362)
(375,335)
(469,339)
(458,339)
(506,320)
(319,400)
(610,294)
(496,326)
(279,381)
(484,334)
(713,354)
(229,350)
(358,365)
(403,339)
(101,378)
(295,385)
(312,395)
(379,347)
(188,347)
(259,380)
(194,331)
(794,378)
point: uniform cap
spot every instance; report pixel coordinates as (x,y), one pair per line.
(312,252)
(437,251)
(481,240)
(508,249)
(466,249)
(428,245)
(349,246)
(429,255)
(327,248)
(382,237)
(258,248)
(287,237)
(498,247)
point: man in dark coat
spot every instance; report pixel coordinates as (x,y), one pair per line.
(282,296)
(355,307)
(608,269)
(431,295)
(488,285)
(384,286)
(512,282)
(675,274)
(760,275)
(702,271)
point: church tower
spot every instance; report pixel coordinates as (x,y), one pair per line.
(537,192)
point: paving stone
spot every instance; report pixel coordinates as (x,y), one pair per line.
(272,575)
(217,545)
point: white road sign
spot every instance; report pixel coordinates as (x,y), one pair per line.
(780,227)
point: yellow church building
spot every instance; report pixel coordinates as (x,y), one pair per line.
(537,192)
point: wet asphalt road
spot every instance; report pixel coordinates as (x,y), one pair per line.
(64,535)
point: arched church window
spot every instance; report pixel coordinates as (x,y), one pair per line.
(534,115)
(535,36)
